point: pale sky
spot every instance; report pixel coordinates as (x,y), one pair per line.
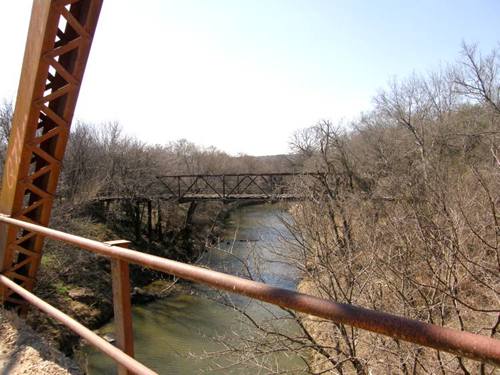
(243,75)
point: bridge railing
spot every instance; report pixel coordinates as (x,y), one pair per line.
(473,346)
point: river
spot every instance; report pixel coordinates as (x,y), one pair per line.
(189,333)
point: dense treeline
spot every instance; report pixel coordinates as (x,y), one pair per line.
(100,160)
(407,219)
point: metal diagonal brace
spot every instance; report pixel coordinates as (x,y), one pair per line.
(58,45)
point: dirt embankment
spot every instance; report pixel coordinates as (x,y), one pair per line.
(22,351)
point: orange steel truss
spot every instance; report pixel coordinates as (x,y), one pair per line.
(59,40)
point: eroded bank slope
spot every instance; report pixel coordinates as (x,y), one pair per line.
(22,351)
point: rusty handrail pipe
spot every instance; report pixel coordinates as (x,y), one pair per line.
(120,357)
(466,344)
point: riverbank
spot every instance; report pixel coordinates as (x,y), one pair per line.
(196,329)
(79,283)
(22,351)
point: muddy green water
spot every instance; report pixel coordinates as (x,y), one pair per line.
(179,335)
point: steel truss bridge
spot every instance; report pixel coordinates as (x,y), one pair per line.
(233,187)
(58,45)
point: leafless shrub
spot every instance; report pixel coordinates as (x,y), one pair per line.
(404,219)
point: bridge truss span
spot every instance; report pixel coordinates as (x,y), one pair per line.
(231,187)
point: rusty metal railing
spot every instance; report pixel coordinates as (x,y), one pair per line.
(119,356)
(474,346)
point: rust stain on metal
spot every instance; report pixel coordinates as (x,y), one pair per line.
(121,358)
(54,62)
(122,305)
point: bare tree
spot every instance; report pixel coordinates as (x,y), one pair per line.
(6,114)
(404,218)
(477,76)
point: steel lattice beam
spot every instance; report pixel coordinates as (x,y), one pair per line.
(59,40)
(241,186)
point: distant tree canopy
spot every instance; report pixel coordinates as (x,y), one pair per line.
(101,160)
